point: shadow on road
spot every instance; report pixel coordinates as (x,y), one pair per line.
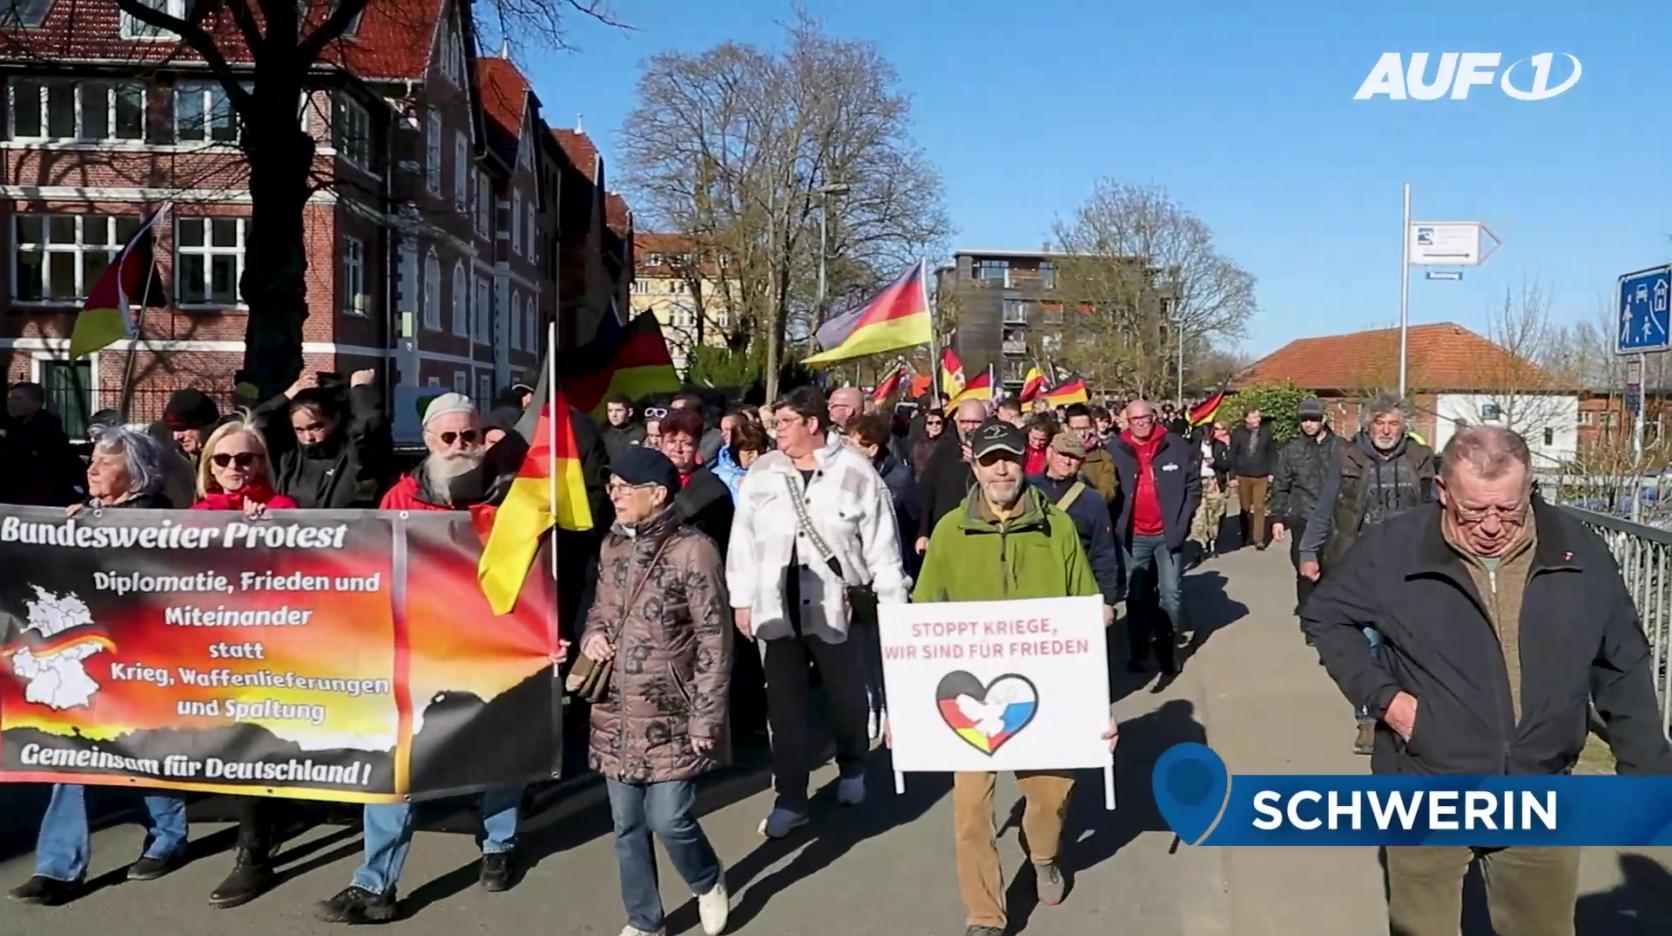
(1092,834)
(834,831)
(1642,904)
(1207,609)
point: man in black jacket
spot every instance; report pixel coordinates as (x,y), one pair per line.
(1062,483)
(623,430)
(1253,458)
(1302,466)
(1160,478)
(947,478)
(1503,618)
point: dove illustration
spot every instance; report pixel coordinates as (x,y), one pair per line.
(987,716)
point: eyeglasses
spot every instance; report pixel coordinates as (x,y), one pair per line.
(655,412)
(621,487)
(468,437)
(1512,514)
(241,459)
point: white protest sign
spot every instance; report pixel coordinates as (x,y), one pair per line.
(997,685)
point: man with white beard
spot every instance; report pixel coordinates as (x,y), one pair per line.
(447,479)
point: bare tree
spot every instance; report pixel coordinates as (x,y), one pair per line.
(744,147)
(1146,274)
(1531,385)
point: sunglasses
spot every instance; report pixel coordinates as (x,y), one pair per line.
(468,437)
(656,412)
(241,459)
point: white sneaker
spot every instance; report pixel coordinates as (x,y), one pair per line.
(714,906)
(873,725)
(781,822)
(632,930)
(850,791)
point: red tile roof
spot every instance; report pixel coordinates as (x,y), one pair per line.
(1442,358)
(616,214)
(394,40)
(505,98)
(578,147)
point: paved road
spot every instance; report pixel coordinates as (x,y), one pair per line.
(1250,688)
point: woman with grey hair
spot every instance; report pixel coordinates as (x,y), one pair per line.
(126,471)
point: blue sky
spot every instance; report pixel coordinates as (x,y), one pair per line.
(1244,112)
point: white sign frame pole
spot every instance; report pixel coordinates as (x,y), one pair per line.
(1405,291)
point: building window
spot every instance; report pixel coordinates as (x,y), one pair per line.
(354,276)
(208,260)
(516,223)
(432,381)
(536,340)
(134,29)
(1607,420)
(71,110)
(461,170)
(461,298)
(1047,274)
(481,312)
(202,111)
(58,258)
(1549,436)
(993,270)
(452,58)
(1050,313)
(1051,343)
(652,259)
(484,204)
(1016,311)
(484,387)
(641,287)
(432,142)
(354,132)
(678,287)
(25,13)
(461,382)
(516,321)
(528,213)
(432,292)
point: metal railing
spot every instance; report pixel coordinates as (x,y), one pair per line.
(1644,554)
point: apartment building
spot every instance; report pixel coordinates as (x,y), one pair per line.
(433,254)
(1007,309)
(675,280)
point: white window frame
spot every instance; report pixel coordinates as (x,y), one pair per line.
(432,291)
(484,386)
(483,206)
(432,164)
(529,220)
(461,170)
(209,253)
(532,310)
(432,381)
(134,29)
(516,222)
(209,91)
(461,301)
(515,321)
(81,248)
(353,142)
(461,382)
(355,299)
(42,87)
(481,318)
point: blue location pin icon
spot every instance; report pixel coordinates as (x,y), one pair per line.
(1191,787)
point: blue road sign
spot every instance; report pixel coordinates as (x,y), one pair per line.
(1644,321)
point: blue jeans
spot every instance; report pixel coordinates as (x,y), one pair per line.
(388,836)
(65,842)
(1150,568)
(669,810)
(1374,638)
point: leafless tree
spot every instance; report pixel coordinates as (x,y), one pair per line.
(743,147)
(1532,384)
(1146,274)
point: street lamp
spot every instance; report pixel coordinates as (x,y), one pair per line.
(825,191)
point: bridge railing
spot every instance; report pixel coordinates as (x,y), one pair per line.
(1644,554)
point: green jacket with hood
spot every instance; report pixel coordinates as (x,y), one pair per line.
(1037,554)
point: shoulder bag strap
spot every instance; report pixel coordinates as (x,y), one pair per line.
(805,522)
(1070,496)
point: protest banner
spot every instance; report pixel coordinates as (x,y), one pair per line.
(997,685)
(331,655)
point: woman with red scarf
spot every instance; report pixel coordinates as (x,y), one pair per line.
(235,474)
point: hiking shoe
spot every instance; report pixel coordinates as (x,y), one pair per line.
(149,869)
(714,907)
(631,930)
(983,931)
(1049,883)
(251,876)
(48,892)
(496,872)
(355,904)
(850,791)
(1365,742)
(781,822)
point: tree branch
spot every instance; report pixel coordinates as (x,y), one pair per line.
(194,35)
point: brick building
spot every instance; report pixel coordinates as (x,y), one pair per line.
(1454,377)
(434,256)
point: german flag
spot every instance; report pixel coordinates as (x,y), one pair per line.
(981,388)
(130,277)
(1032,384)
(885,388)
(952,373)
(549,489)
(633,360)
(1204,412)
(1070,391)
(897,317)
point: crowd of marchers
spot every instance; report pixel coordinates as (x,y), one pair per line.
(740,550)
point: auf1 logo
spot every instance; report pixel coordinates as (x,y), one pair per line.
(1458,72)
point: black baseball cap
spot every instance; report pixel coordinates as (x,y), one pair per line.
(997,436)
(638,465)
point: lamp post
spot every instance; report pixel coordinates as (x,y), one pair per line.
(824,192)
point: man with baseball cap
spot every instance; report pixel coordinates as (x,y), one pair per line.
(1062,483)
(189,416)
(1005,541)
(1302,466)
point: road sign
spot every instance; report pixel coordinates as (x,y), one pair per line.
(1644,323)
(1449,275)
(1450,243)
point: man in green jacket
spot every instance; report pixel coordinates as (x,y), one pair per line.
(1005,541)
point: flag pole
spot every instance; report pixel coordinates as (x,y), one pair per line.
(137,327)
(552,416)
(934,335)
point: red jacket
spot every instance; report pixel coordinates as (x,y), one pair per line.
(234,500)
(1147,519)
(404,496)
(1034,461)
